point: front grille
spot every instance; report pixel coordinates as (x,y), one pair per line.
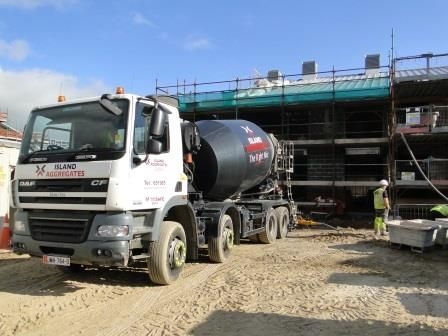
(64,200)
(60,227)
(57,191)
(64,185)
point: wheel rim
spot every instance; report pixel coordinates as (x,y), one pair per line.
(228,238)
(177,253)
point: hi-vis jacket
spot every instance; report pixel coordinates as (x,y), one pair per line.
(378,198)
(442,208)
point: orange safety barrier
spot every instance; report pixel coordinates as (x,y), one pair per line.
(5,234)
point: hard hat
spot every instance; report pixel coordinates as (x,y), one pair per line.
(384,183)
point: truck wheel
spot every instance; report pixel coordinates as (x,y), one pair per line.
(270,233)
(167,255)
(219,248)
(282,214)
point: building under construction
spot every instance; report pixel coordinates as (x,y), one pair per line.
(350,128)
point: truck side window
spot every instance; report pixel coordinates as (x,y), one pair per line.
(140,127)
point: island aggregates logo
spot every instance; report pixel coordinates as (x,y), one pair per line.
(60,170)
(40,170)
(255,142)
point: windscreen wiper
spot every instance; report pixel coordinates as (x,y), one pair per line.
(83,152)
(80,153)
(30,155)
(50,148)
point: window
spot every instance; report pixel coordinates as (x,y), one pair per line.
(142,119)
(49,135)
(70,128)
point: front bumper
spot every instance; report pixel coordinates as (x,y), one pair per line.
(86,253)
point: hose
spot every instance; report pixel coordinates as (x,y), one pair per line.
(420,169)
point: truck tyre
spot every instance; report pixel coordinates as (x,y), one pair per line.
(220,247)
(282,214)
(270,233)
(167,255)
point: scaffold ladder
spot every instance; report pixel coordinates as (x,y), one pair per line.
(286,165)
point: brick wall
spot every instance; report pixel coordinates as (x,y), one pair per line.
(323,167)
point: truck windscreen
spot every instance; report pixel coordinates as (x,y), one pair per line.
(69,129)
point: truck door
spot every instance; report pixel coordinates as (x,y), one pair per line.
(153,178)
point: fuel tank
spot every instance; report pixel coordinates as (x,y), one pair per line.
(235,156)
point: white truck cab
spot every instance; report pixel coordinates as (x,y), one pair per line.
(84,173)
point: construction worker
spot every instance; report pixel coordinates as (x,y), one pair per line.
(439,211)
(382,206)
(105,138)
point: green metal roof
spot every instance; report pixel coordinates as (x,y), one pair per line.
(348,88)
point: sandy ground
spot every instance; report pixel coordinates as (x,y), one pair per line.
(315,282)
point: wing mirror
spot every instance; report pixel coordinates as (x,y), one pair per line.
(156,130)
(157,122)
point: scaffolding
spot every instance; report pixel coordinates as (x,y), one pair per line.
(342,124)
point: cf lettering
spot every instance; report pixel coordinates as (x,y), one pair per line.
(97,183)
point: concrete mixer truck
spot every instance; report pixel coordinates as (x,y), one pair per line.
(121,179)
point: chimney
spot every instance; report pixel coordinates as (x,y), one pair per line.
(309,70)
(274,75)
(372,64)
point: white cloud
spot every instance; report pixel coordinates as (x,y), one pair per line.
(197,43)
(21,91)
(139,19)
(31,4)
(16,50)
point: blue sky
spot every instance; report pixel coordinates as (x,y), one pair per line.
(88,47)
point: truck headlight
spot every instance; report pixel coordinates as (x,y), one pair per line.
(113,230)
(19,226)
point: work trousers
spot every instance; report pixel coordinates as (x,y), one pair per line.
(381,216)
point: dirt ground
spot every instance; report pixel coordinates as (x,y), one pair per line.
(315,282)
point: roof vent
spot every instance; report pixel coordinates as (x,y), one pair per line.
(274,75)
(372,64)
(309,69)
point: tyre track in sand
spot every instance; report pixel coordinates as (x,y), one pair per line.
(123,306)
(20,285)
(311,280)
(163,295)
(256,283)
(248,283)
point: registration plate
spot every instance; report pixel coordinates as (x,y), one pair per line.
(56,260)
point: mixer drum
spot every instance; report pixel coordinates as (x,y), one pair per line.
(235,156)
